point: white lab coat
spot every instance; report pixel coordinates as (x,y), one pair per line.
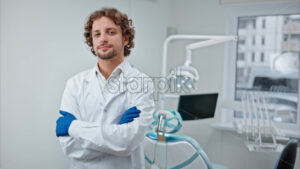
(96,140)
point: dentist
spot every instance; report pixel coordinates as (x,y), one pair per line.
(105,111)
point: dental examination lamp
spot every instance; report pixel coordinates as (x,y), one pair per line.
(185,76)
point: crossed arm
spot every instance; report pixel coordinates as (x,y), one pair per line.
(89,139)
(63,123)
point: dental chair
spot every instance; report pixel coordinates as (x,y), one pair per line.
(165,150)
(287,157)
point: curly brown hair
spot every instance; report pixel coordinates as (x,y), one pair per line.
(119,19)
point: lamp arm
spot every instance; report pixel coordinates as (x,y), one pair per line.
(213,40)
(209,42)
(196,45)
(186,37)
(188,60)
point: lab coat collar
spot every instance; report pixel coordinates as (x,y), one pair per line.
(123,67)
(93,83)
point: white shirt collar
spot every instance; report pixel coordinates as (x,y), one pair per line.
(116,72)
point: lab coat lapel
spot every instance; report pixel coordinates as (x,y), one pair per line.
(93,87)
(121,88)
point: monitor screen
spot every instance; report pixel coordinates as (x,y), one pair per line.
(200,106)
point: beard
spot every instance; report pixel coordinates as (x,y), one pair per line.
(106,56)
(111,53)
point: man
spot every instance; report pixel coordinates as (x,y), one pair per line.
(104,116)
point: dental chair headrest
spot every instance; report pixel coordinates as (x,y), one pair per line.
(173,121)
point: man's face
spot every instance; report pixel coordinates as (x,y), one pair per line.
(108,41)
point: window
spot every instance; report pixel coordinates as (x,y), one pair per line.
(271,67)
(242,42)
(270,77)
(262,57)
(241,56)
(253,57)
(263,23)
(243,24)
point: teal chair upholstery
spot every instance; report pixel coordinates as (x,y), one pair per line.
(176,151)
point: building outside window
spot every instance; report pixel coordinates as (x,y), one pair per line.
(277,71)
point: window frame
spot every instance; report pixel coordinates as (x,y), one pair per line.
(230,54)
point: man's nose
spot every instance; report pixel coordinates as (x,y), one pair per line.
(103,38)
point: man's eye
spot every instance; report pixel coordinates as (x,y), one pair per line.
(97,35)
(111,32)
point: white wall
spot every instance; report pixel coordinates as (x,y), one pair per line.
(41,46)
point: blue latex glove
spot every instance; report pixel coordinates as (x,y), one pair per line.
(63,123)
(129,115)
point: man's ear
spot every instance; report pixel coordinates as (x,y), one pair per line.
(126,41)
